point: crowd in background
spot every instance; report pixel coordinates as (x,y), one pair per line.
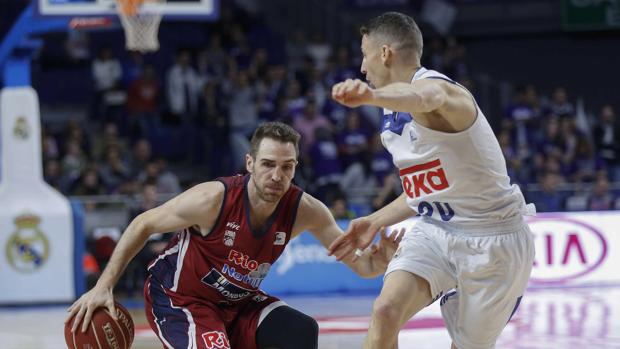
(152,132)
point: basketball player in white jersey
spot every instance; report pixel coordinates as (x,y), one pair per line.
(471,245)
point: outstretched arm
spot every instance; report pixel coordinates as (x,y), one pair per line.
(426,96)
(197,206)
(316,218)
(362,231)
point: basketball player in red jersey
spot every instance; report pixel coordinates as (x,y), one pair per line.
(202,291)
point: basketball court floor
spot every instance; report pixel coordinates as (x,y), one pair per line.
(550,318)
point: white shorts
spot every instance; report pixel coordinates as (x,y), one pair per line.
(481,274)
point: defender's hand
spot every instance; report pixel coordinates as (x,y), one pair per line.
(383,251)
(359,235)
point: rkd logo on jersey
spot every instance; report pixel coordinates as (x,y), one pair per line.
(566,249)
(423,178)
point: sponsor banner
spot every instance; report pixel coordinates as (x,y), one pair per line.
(576,248)
(305,267)
(572,249)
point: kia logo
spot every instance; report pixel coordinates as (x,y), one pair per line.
(566,249)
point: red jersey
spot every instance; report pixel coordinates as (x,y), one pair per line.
(229,264)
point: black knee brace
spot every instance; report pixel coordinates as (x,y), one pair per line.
(287,328)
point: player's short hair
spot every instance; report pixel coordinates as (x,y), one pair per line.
(277,131)
(398,29)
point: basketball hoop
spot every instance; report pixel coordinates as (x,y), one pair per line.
(141,25)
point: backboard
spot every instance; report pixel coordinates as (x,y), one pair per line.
(175,9)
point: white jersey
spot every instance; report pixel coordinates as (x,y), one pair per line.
(451,177)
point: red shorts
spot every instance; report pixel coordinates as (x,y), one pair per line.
(188,322)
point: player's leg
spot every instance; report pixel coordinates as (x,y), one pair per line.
(492,275)
(267,322)
(418,274)
(403,295)
(287,328)
(198,326)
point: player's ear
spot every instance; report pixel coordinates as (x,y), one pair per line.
(386,54)
(249,162)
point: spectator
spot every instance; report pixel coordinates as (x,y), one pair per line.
(142,103)
(114,171)
(601,199)
(606,135)
(548,199)
(559,104)
(352,140)
(242,117)
(307,123)
(326,166)
(183,88)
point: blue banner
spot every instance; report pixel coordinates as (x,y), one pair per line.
(305,267)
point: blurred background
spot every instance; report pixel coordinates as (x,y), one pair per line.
(123,131)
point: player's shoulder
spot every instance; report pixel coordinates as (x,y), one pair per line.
(311,209)
(207,192)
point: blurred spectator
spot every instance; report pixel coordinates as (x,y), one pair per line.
(49,144)
(114,171)
(601,198)
(360,184)
(382,165)
(53,176)
(107,73)
(133,68)
(109,139)
(548,199)
(559,104)
(326,166)
(352,140)
(242,117)
(142,103)
(340,210)
(89,184)
(296,50)
(307,123)
(74,161)
(167,181)
(606,135)
(320,50)
(183,88)
(141,155)
(523,117)
(212,60)
(586,165)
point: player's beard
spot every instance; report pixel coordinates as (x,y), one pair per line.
(264,196)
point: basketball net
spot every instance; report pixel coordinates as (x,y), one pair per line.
(141,26)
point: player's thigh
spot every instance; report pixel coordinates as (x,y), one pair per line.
(423,253)
(194,326)
(490,287)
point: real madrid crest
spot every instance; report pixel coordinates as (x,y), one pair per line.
(21,129)
(27,249)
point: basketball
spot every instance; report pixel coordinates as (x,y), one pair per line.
(104,332)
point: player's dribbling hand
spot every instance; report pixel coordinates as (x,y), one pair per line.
(359,234)
(85,306)
(384,250)
(352,93)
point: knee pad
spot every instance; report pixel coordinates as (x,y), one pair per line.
(287,328)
